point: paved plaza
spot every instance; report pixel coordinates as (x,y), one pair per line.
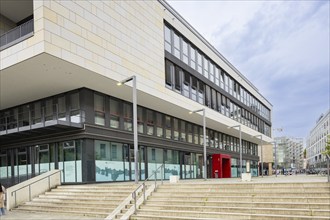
(18,215)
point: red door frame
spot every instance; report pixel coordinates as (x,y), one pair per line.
(221,166)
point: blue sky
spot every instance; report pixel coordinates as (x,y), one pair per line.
(282,47)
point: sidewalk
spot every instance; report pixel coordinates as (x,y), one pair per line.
(17,215)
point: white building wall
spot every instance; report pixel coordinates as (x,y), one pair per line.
(317,140)
(116,39)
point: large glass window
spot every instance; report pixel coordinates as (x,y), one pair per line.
(69,160)
(61,108)
(190,132)
(192,58)
(176,129)
(184,52)
(178,81)
(114,113)
(150,122)
(36,113)
(99,108)
(127,115)
(176,45)
(140,119)
(159,124)
(108,161)
(208,96)
(172,164)
(168,127)
(167,33)
(169,73)
(201,92)
(75,114)
(183,131)
(199,63)
(186,85)
(155,160)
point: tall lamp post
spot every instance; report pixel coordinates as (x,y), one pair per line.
(204,138)
(240,146)
(262,162)
(135,133)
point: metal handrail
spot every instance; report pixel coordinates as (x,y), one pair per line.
(144,186)
(16,33)
(34,183)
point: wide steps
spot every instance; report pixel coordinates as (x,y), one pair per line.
(248,210)
(67,212)
(156,214)
(82,200)
(242,204)
(238,201)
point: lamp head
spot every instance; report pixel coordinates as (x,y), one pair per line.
(119,83)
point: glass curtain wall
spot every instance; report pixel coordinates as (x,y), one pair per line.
(172,163)
(69,161)
(109,161)
(155,160)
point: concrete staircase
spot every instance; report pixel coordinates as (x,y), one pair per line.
(93,200)
(264,201)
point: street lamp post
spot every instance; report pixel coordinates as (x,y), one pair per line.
(204,138)
(262,162)
(135,132)
(240,146)
(275,159)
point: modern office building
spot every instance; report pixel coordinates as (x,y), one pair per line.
(317,140)
(61,108)
(289,152)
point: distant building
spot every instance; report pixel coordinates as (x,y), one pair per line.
(316,142)
(289,152)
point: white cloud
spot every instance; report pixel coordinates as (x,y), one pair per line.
(281,46)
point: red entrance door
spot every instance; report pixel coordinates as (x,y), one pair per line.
(221,166)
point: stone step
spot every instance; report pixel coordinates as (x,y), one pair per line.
(68,212)
(226,216)
(247,210)
(254,194)
(242,198)
(71,204)
(95,192)
(61,208)
(83,198)
(248,190)
(91,202)
(88,195)
(215,215)
(245,185)
(242,204)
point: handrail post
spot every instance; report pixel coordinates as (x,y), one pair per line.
(144,192)
(134,196)
(30,192)
(162,173)
(155,179)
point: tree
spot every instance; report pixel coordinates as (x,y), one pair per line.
(326,152)
(305,153)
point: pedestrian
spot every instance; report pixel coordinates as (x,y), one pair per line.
(2,199)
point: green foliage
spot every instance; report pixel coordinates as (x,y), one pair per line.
(327,148)
(305,153)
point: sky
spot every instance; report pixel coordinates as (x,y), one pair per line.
(282,47)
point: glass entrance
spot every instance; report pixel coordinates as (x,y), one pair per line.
(129,162)
(70,161)
(189,166)
(44,158)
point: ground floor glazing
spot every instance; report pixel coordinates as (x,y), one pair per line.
(93,160)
